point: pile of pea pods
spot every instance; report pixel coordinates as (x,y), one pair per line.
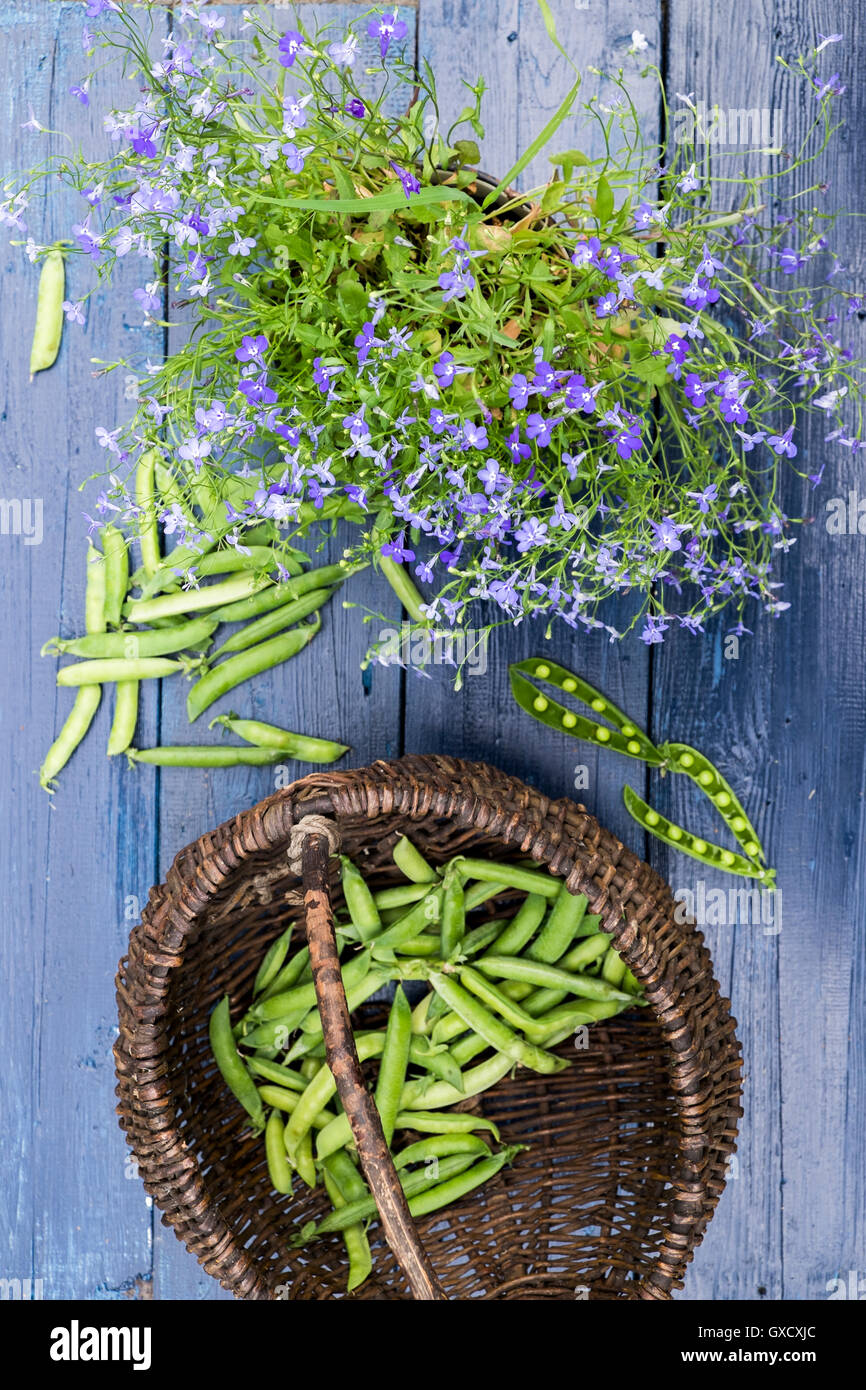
(497,995)
(168,629)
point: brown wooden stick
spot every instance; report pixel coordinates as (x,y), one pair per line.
(400,1231)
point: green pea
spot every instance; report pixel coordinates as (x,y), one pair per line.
(569,720)
(738,823)
(633,746)
(706,778)
(539,703)
(598,705)
(700,846)
(603,735)
(722,799)
(727,857)
(675,832)
(569,684)
(628,730)
(751,847)
(686,760)
(542,671)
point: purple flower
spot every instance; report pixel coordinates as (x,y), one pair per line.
(492,476)
(520,390)
(644,217)
(290,45)
(790,260)
(695,389)
(364,341)
(627,442)
(578,395)
(540,429)
(445,369)
(439,421)
(781,443)
(688,183)
(81,92)
(356,108)
(666,534)
(530,533)
(703,499)
(252,349)
(474,435)
(385,28)
(409,182)
(397,550)
(456,283)
(677,347)
(517,450)
(654,629)
(294,158)
(607,304)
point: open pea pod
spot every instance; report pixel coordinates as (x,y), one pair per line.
(626,738)
(681,757)
(714,856)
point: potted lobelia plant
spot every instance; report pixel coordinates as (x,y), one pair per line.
(530,401)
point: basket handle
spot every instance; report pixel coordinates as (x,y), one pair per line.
(316,842)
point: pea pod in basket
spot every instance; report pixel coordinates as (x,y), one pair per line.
(625,737)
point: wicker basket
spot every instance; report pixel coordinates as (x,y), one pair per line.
(628,1146)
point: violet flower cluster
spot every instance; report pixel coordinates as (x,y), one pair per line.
(540,404)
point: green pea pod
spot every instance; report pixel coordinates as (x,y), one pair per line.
(522,926)
(556,716)
(440,1146)
(395,1059)
(411,862)
(424,914)
(682,758)
(275,1150)
(359,900)
(283,616)
(453,924)
(130,646)
(116,573)
(563,679)
(273,961)
(276,1073)
(48,329)
(231,1064)
(441,1122)
(237,669)
(495,1032)
(303,997)
(560,929)
(714,856)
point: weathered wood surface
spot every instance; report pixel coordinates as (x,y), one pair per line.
(785,719)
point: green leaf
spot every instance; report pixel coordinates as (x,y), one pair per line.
(568,160)
(603,201)
(351,298)
(380,201)
(467,152)
(552,196)
(538,143)
(345,187)
(645,367)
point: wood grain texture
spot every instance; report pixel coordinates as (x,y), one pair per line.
(74,1215)
(785,721)
(786,724)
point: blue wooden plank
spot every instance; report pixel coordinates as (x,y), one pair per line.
(72,1217)
(785,721)
(322,691)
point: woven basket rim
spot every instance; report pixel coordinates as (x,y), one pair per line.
(525,821)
